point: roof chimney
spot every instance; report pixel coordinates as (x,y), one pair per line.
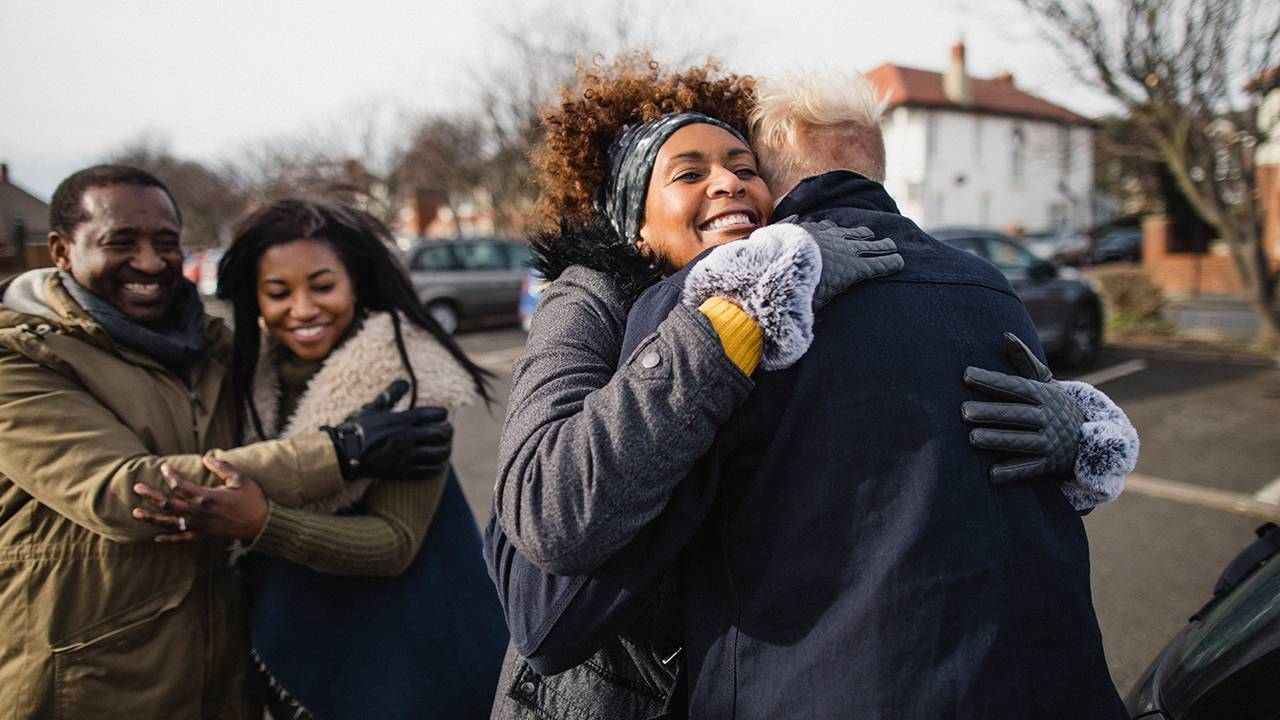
(955,82)
(4,173)
(1004,76)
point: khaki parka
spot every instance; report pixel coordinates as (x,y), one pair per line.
(96,619)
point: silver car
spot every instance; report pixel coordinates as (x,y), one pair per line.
(469,280)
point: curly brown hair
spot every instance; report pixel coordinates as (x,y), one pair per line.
(573,160)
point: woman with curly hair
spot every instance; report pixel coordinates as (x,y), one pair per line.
(646,170)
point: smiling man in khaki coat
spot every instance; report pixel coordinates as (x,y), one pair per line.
(109,368)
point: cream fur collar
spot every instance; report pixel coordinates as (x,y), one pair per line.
(352,376)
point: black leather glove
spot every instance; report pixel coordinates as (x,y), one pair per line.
(849,256)
(375,442)
(1037,417)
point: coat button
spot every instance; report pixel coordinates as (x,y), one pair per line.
(650,360)
(527,687)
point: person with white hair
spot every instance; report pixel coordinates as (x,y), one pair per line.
(858,560)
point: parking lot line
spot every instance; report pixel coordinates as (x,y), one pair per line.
(1270,493)
(1199,495)
(1114,372)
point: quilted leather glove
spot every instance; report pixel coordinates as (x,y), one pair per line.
(375,442)
(849,256)
(1037,417)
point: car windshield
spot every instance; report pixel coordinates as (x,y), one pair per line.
(1236,632)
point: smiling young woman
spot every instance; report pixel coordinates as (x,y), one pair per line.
(305,296)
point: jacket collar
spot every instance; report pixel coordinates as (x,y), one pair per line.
(38,296)
(838,188)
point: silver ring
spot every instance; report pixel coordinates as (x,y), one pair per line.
(182,524)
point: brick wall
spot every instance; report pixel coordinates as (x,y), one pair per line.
(1211,273)
(1214,272)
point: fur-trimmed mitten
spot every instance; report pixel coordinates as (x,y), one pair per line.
(1070,431)
(771,275)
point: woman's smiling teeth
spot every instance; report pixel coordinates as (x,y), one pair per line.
(310,332)
(730,220)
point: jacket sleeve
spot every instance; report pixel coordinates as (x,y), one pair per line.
(591,452)
(72,454)
(558,621)
(381,541)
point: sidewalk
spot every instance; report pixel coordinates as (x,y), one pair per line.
(1221,317)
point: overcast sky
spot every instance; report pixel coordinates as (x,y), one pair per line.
(79,79)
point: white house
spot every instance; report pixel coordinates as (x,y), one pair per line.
(967,151)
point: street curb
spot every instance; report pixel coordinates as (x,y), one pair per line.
(1215,356)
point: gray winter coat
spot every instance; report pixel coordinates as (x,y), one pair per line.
(589,454)
(588,458)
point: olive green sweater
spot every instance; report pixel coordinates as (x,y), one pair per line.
(382,540)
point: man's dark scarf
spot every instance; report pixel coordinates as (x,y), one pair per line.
(176,342)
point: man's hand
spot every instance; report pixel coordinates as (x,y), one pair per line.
(374,442)
(1038,417)
(236,510)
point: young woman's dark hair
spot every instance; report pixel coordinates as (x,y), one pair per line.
(360,240)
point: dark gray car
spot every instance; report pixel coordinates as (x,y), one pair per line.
(1065,309)
(469,280)
(1225,664)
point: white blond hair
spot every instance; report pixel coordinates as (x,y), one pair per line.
(808,123)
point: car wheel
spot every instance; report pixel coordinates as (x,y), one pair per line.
(1084,338)
(444,314)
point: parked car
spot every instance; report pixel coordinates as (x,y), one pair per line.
(1063,248)
(530,292)
(469,280)
(1066,310)
(1118,245)
(1226,662)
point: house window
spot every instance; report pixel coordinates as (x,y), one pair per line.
(930,137)
(1018,146)
(1059,216)
(1064,150)
(977,139)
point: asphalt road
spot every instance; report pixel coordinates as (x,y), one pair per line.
(1208,421)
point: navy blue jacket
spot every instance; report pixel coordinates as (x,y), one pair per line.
(856,561)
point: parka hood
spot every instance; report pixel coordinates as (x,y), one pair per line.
(593,244)
(25,294)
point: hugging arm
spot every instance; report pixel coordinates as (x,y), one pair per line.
(92,486)
(590,452)
(1068,431)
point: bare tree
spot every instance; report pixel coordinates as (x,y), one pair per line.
(1179,69)
(208,200)
(445,162)
(542,47)
(355,159)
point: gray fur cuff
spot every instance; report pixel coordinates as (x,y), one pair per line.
(771,275)
(1108,448)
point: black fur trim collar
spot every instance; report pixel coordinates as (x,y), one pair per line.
(596,245)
